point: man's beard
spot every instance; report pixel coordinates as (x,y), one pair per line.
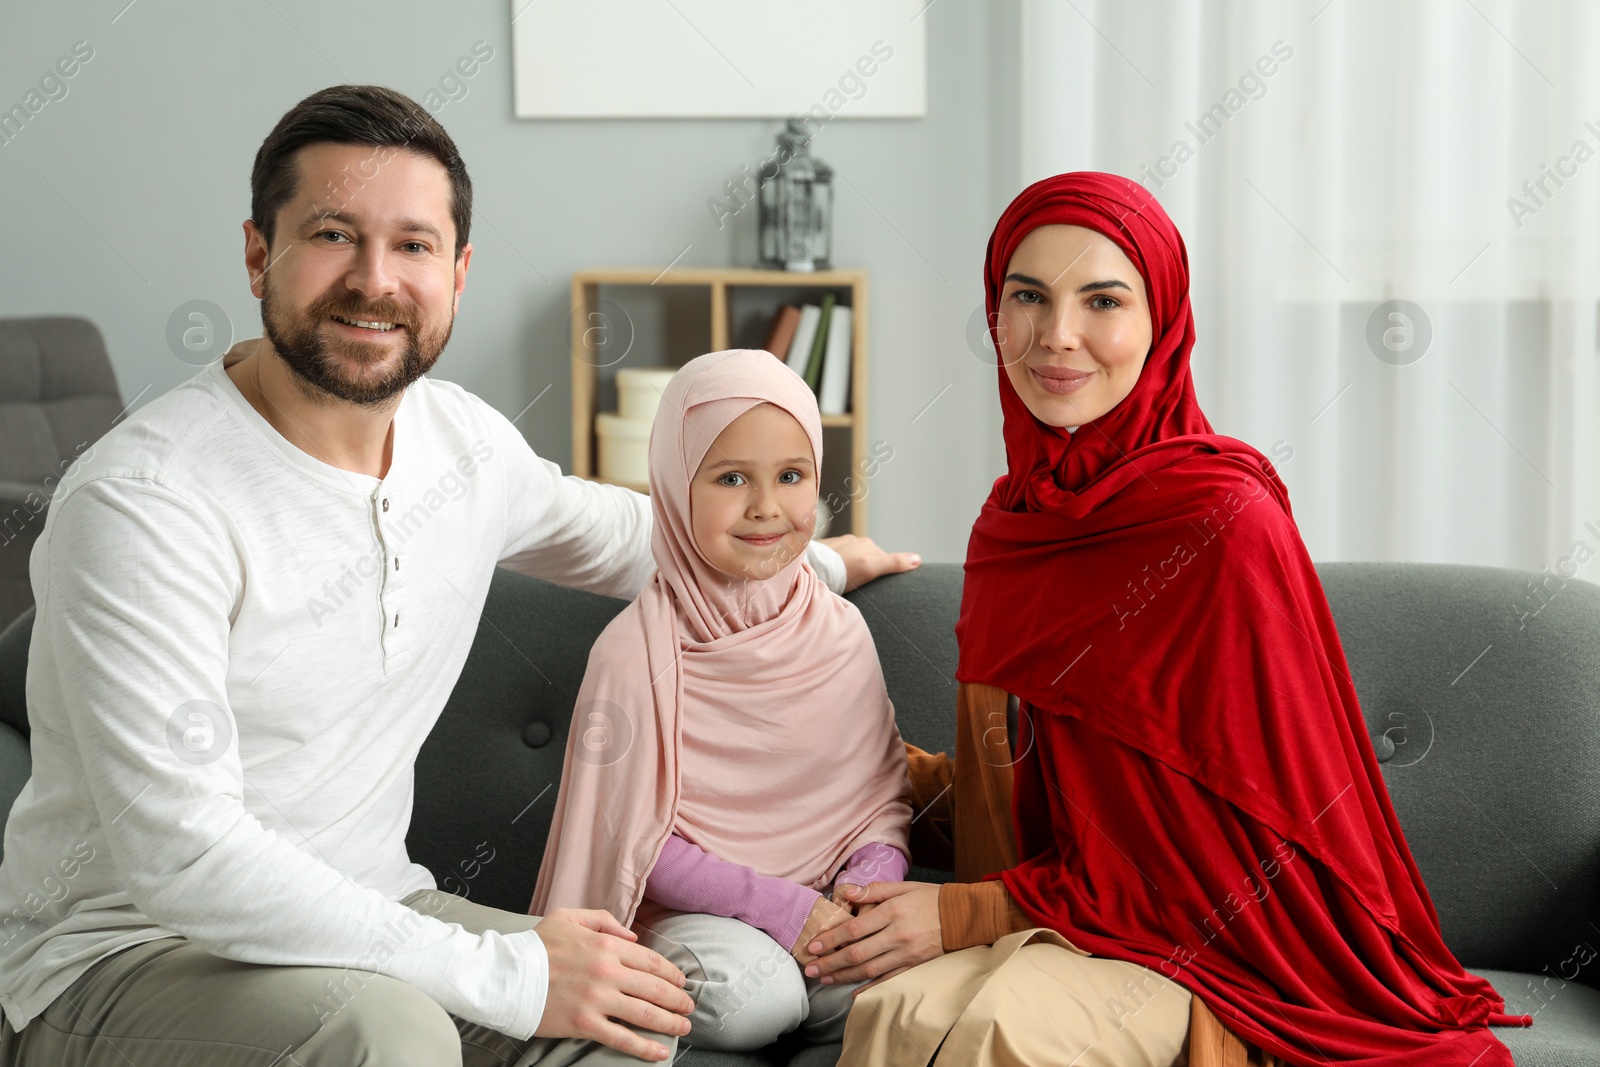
(321,364)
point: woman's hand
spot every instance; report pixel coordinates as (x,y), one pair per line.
(900,930)
(841,898)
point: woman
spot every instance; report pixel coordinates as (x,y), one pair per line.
(1195,796)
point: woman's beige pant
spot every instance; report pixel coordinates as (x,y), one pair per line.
(1031,999)
(170,1003)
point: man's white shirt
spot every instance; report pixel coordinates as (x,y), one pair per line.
(238,652)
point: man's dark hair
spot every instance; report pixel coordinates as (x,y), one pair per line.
(360,115)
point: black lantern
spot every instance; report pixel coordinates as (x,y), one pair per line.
(796,204)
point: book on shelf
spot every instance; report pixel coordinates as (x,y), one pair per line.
(819,343)
(804,333)
(834,396)
(782,332)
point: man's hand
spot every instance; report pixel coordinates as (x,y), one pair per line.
(864,560)
(901,931)
(597,975)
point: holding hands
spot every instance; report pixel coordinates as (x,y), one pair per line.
(895,927)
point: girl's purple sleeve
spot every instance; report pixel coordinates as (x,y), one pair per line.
(876,862)
(688,878)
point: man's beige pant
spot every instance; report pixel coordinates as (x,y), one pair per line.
(170,1003)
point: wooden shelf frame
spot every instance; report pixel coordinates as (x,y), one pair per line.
(586,300)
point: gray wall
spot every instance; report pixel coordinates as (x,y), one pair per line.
(124,199)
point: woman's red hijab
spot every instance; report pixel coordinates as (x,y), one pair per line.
(1197,793)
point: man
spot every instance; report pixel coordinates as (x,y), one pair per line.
(254,600)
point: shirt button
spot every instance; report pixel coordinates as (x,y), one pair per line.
(397,563)
(397,618)
(385,503)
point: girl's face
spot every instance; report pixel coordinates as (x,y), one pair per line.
(1072,325)
(753,502)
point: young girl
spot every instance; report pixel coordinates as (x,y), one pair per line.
(733,753)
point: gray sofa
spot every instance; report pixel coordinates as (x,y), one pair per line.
(1483,700)
(58,395)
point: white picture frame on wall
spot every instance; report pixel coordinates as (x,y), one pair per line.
(592,59)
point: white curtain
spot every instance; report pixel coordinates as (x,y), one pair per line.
(1323,159)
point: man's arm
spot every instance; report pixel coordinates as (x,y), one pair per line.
(138,591)
(574,532)
(602,542)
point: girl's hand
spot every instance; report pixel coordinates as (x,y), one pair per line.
(901,931)
(825,915)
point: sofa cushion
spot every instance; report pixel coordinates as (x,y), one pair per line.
(488,775)
(1488,696)
(818,1056)
(913,622)
(1566,1019)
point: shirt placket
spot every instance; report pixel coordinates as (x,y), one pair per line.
(392,600)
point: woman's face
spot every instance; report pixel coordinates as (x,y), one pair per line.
(1072,325)
(753,502)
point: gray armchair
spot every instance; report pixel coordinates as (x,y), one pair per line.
(58,395)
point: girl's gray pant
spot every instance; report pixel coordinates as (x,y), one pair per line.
(746,988)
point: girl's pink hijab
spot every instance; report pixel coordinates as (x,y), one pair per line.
(749,716)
